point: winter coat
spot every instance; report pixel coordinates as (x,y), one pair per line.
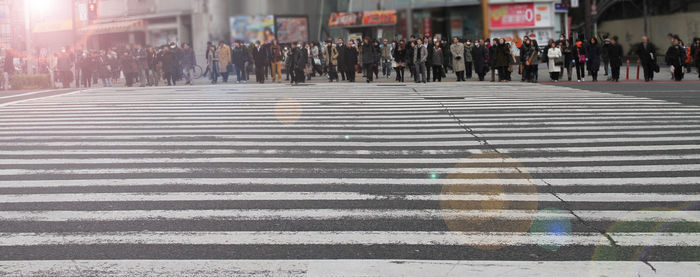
(368,53)
(128,64)
(400,56)
(259,56)
(480,55)
(616,55)
(410,51)
(420,54)
(275,53)
(331,56)
(437,57)
(240,56)
(593,51)
(342,60)
(501,55)
(188,61)
(65,62)
(301,59)
(468,53)
(675,55)
(170,62)
(646,55)
(224,57)
(457,51)
(386,52)
(553,55)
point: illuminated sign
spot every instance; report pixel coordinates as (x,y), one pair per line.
(368,18)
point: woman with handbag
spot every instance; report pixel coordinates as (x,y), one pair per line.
(554,60)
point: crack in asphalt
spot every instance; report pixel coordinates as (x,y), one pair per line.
(552,190)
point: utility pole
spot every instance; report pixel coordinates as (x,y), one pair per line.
(486,16)
(589,19)
(646,17)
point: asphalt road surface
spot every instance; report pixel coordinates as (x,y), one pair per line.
(446,179)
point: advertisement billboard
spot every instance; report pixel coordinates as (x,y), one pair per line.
(521,15)
(367,18)
(292,29)
(250,29)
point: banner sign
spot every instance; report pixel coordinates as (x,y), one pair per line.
(526,15)
(368,18)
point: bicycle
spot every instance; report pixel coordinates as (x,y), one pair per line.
(197,72)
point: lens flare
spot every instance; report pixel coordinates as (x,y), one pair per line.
(288,111)
(554,222)
(497,177)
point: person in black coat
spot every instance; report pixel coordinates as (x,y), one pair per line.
(480,56)
(647,55)
(616,55)
(170,65)
(260,58)
(369,56)
(341,58)
(593,55)
(431,49)
(675,57)
(400,59)
(350,62)
(301,58)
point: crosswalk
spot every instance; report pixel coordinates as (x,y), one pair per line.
(349,180)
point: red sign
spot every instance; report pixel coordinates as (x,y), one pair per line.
(343,19)
(512,15)
(368,18)
(427,27)
(379,17)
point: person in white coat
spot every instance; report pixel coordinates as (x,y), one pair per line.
(555,61)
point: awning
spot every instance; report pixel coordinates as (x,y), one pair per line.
(115,27)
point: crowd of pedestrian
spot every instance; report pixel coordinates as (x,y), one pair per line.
(425,59)
(137,65)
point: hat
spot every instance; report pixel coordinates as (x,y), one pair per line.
(607,40)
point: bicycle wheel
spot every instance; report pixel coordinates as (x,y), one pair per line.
(197,72)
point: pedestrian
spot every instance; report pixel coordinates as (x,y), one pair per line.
(437,62)
(368,58)
(420,58)
(377,59)
(64,66)
(351,61)
(225,65)
(480,55)
(534,65)
(104,70)
(240,58)
(647,56)
(129,67)
(301,59)
(501,56)
(86,69)
(206,56)
(399,56)
(276,61)
(260,59)
(554,60)
(429,45)
(457,50)
(187,62)
(580,57)
(153,68)
(605,57)
(386,58)
(309,65)
(331,58)
(616,55)
(569,60)
(410,51)
(171,64)
(674,58)
(212,63)
(289,62)
(696,55)
(141,57)
(468,60)
(593,55)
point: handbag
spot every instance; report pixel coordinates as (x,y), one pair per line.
(317,61)
(394,64)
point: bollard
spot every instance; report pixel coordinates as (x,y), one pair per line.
(638,63)
(628,70)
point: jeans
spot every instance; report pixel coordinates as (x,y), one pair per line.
(214,72)
(189,71)
(421,73)
(386,68)
(368,68)
(240,73)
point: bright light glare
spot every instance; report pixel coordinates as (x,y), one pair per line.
(41,6)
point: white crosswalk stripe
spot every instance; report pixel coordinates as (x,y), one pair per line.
(280,180)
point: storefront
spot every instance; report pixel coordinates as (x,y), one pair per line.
(445,22)
(375,24)
(513,21)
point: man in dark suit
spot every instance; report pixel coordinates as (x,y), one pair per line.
(647,55)
(260,58)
